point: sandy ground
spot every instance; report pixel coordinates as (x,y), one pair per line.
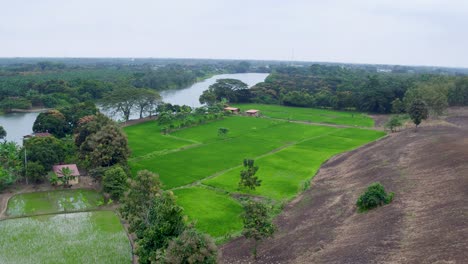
(426,223)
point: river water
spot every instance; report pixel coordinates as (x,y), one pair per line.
(18,125)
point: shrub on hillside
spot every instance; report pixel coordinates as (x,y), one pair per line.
(374,196)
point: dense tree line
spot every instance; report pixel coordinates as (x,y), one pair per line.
(53,84)
(343,88)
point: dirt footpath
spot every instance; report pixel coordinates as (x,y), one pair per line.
(426,223)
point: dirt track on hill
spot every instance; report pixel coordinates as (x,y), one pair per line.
(426,223)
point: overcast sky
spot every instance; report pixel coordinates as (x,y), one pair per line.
(411,32)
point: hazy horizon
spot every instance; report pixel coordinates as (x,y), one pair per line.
(416,33)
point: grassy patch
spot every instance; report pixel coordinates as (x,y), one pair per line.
(90,237)
(288,154)
(311,114)
(52,202)
(214,213)
(146,138)
(283,173)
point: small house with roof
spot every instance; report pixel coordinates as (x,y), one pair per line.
(233,110)
(253,112)
(73,168)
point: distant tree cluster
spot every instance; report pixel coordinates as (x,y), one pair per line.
(344,88)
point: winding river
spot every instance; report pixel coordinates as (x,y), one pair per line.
(18,125)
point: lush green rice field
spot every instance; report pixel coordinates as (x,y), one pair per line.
(52,202)
(89,237)
(210,210)
(311,114)
(203,168)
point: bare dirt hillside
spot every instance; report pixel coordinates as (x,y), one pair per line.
(426,223)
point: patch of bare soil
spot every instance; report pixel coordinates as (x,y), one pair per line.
(426,223)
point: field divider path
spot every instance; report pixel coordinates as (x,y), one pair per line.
(199,182)
(323,124)
(59,213)
(164,152)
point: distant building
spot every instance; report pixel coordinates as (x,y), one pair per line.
(233,110)
(73,168)
(45,134)
(252,112)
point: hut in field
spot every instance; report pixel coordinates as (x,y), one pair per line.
(253,112)
(233,110)
(74,172)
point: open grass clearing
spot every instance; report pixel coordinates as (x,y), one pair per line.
(53,202)
(146,138)
(87,237)
(203,176)
(311,114)
(285,172)
(214,213)
(193,164)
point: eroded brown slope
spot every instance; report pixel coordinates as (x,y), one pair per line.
(426,223)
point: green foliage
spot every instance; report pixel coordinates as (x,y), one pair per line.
(45,150)
(3,133)
(164,222)
(6,178)
(418,111)
(114,182)
(66,176)
(222,131)
(136,203)
(393,123)
(257,223)
(36,172)
(73,113)
(11,165)
(53,122)
(434,94)
(374,196)
(53,179)
(247,176)
(191,247)
(232,90)
(125,99)
(101,142)
(8,104)
(398,106)
(178,117)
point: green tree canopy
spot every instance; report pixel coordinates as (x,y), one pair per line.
(52,121)
(134,208)
(232,90)
(165,221)
(3,133)
(418,111)
(191,247)
(247,175)
(114,182)
(257,223)
(47,151)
